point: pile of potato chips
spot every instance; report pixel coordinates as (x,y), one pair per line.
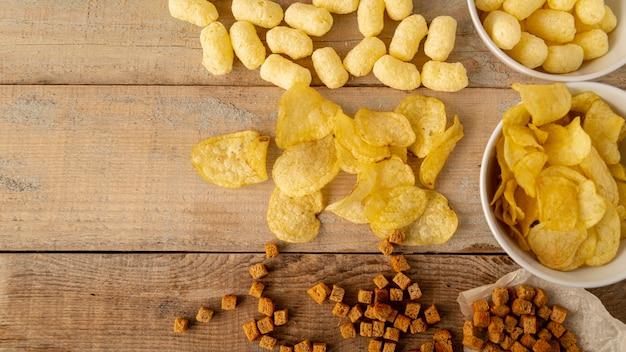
(562,189)
(319,140)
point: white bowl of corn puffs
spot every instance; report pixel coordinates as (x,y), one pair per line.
(553,185)
(556,40)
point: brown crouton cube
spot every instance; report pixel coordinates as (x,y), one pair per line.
(365,329)
(418,325)
(229,302)
(251,330)
(541,298)
(402,280)
(265,325)
(528,323)
(266,306)
(397,237)
(516,333)
(399,263)
(392,334)
(526,292)
(481,319)
(518,347)
(491,347)
(341,309)
(402,323)
(412,309)
(319,292)
(443,346)
(181,325)
(527,340)
(271,250)
(375,346)
(442,335)
(510,322)
(521,306)
(337,293)
(414,291)
(204,315)
(256,290)
(389,346)
(558,314)
(258,271)
(319,346)
(281,317)
(469,329)
(555,328)
(381,281)
(382,311)
(500,311)
(392,316)
(567,339)
(378,328)
(544,334)
(381,295)
(369,312)
(495,330)
(355,313)
(396,294)
(428,346)
(365,296)
(285,348)
(500,296)
(506,343)
(385,247)
(473,342)
(347,330)
(303,346)
(544,312)
(541,346)
(480,306)
(267,342)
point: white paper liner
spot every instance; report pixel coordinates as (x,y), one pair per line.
(594,327)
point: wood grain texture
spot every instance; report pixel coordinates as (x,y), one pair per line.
(128,302)
(138,42)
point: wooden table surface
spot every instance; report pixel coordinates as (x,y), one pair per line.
(106,231)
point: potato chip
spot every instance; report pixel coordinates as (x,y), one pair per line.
(566,145)
(586,249)
(427,117)
(591,206)
(390,173)
(581,102)
(304,115)
(522,136)
(294,219)
(232,160)
(527,169)
(352,207)
(436,225)
(545,103)
(435,160)
(596,170)
(531,213)
(394,208)
(609,234)
(346,135)
(516,115)
(381,128)
(306,167)
(558,202)
(347,161)
(604,127)
(556,249)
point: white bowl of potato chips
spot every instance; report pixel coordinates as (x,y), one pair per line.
(557,40)
(559,210)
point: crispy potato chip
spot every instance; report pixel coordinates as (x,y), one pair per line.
(556,249)
(545,102)
(566,145)
(392,172)
(381,128)
(522,135)
(427,117)
(306,167)
(608,237)
(591,206)
(558,202)
(436,225)
(581,102)
(436,158)
(347,161)
(346,135)
(604,127)
(232,160)
(516,115)
(531,213)
(586,249)
(596,170)
(513,152)
(304,115)
(527,169)
(394,208)
(294,219)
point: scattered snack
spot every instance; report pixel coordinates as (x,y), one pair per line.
(256,290)
(258,271)
(396,73)
(267,342)
(340,7)
(319,292)
(444,76)
(289,41)
(251,330)
(181,325)
(371,17)
(247,45)
(265,325)
(441,37)
(271,250)
(281,317)
(311,19)
(204,315)
(266,306)
(262,13)
(360,60)
(229,302)
(398,10)
(329,67)
(217,50)
(284,73)
(407,37)
(198,12)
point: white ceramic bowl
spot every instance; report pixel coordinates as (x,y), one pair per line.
(586,277)
(614,59)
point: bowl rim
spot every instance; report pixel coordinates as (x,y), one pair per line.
(510,62)
(534,266)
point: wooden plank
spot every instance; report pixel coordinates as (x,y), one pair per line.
(138,42)
(107,168)
(104,302)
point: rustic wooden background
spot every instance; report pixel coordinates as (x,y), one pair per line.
(106,231)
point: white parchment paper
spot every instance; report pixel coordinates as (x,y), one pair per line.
(595,329)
